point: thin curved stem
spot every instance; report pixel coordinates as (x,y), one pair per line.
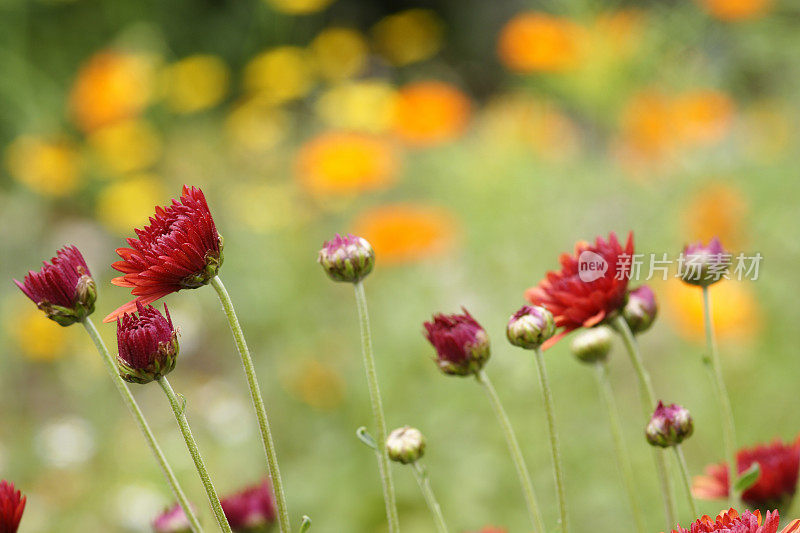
(623,459)
(648,404)
(558,468)
(425,485)
(144,427)
(516,452)
(284,524)
(377,409)
(178,408)
(687,481)
(728,428)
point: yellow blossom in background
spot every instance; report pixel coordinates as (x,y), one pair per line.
(111,86)
(538,42)
(280,74)
(37,337)
(44,166)
(339,53)
(401,233)
(408,36)
(195,83)
(317,384)
(256,125)
(430,112)
(127,146)
(769,131)
(703,116)
(299,7)
(346,163)
(266,207)
(621,31)
(735,10)
(128,203)
(717,210)
(362,105)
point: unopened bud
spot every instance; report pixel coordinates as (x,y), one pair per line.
(405,445)
(641,309)
(592,345)
(348,258)
(669,425)
(530,326)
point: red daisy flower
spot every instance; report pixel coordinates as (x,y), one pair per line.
(12,505)
(732,522)
(251,508)
(779,463)
(589,288)
(461,343)
(180,249)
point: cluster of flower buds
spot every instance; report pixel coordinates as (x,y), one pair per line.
(461,344)
(669,425)
(405,445)
(704,265)
(148,345)
(641,309)
(592,345)
(530,327)
(348,258)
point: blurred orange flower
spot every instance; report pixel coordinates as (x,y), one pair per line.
(703,116)
(733,10)
(345,163)
(47,167)
(647,125)
(717,210)
(318,385)
(111,86)
(538,42)
(430,112)
(401,233)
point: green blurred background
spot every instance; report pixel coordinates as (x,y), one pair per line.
(471,142)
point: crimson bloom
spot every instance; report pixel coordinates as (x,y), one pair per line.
(590,287)
(148,345)
(779,464)
(732,522)
(180,249)
(63,288)
(251,509)
(461,344)
(12,505)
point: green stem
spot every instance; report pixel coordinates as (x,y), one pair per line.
(258,403)
(377,408)
(687,481)
(728,428)
(648,404)
(558,469)
(516,452)
(178,408)
(425,485)
(141,421)
(623,459)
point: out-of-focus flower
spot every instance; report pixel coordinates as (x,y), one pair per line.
(179,249)
(126,146)
(620,31)
(127,202)
(592,345)
(256,124)
(339,53)
(736,10)
(641,309)
(37,339)
(769,131)
(299,7)
(669,426)
(47,167)
(530,327)
(346,163)
(647,126)
(779,466)
(148,345)
(538,42)
(195,83)
(430,112)
(703,116)
(111,86)
(12,505)
(63,288)
(718,209)
(407,232)
(703,265)
(405,445)
(279,75)
(267,207)
(318,385)
(250,509)
(590,287)
(461,344)
(349,259)
(66,442)
(173,520)
(409,36)
(732,522)
(366,106)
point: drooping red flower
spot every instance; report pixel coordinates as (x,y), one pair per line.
(779,464)
(148,345)
(12,505)
(180,249)
(589,288)
(732,522)
(251,508)
(461,343)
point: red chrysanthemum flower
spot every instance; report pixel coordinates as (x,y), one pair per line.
(461,343)
(251,508)
(180,249)
(732,522)
(589,288)
(12,505)
(779,464)
(147,343)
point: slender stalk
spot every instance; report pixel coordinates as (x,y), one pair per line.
(377,409)
(425,485)
(623,459)
(516,452)
(728,428)
(648,404)
(687,482)
(258,404)
(178,408)
(144,427)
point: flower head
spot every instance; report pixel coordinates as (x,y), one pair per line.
(12,505)
(173,520)
(180,249)
(251,509)
(593,344)
(641,309)
(530,326)
(732,522)
(348,258)
(589,288)
(63,288)
(148,345)
(462,345)
(405,445)
(669,425)
(704,265)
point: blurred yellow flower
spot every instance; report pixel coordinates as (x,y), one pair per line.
(111,86)
(430,112)
(717,210)
(346,163)
(256,125)
(401,233)
(621,30)
(409,36)
(126,146)
(339,53)
(195,83)
(769,131)
(538,42)
(362,105)
(703,116)
(38,337)
(299,7)
(266,207)
(127,203)
(317,384)
(280,74)
(734,10)
(47,167)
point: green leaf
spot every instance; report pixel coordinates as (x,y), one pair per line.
(366,438)
(748,478)
(305,525)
